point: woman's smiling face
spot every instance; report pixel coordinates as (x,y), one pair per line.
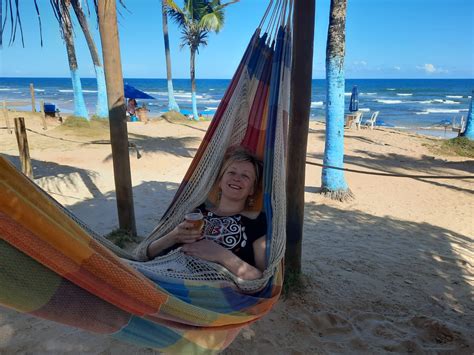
(238,180)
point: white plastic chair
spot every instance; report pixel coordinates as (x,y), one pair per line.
(358,119)
(371,121)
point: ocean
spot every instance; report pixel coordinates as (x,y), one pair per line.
(403,103)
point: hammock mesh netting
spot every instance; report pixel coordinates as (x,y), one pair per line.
(53,266)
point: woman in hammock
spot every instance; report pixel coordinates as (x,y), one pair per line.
(233,236)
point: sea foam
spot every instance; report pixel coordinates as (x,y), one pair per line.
(389,101)
(401,94)
(316,104)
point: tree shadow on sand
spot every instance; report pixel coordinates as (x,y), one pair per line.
(403,164)
(180,147)
(47,169)
(151,199)
(373,285)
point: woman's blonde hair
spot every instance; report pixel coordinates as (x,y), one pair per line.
(241,154)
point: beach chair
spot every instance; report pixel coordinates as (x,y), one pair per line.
(353,118)
(358,119)
(371,121)
(459,128)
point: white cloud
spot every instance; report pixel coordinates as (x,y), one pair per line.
(397,68)
(431,69)
(361,63)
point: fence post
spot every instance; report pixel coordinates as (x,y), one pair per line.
(43,115)
(22,140)
(7,120)
(32,92)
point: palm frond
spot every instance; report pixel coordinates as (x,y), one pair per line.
(15,21)
(175,12)
(39,22)
(213,21)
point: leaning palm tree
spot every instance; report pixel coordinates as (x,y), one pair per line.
(102,109)
(172,104)
(196,19)
(333,180)
(61,10)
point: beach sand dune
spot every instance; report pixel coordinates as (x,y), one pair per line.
(390,271)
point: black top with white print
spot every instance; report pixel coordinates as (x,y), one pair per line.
(236,233)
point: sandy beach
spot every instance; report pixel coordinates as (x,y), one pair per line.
(390,271)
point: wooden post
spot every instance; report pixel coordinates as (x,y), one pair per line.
(300,102)
(107,14)
(32,92)
(43,115)
(22,140)
(5,115)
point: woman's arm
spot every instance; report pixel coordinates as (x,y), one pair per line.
(183,233)
(208,250)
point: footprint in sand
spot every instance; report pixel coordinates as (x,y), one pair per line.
(434,331)
(328,324)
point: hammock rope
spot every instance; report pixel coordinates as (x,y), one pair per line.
(53,266)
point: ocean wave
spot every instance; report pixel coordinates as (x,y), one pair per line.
(65,90)
(364,109)
(401,94)
(187,95)
(161,93)
(210,101)
(454,96)
(438,101)
(6,89)
(316,104)
(347,93)
(368,93)
(449,102)
(39,90)
(389,102)
(391,89)
(439,110)
(89,91)
(211,108)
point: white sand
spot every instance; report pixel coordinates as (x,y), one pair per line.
(390,271)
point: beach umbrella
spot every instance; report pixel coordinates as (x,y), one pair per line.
(354,104)
(133,93)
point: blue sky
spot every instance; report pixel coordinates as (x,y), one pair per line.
(384,39)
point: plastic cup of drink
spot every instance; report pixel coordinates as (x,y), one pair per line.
(195,218)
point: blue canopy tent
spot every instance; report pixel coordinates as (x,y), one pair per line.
(131,92)
(354,104)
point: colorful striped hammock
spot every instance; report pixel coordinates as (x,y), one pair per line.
(53,266)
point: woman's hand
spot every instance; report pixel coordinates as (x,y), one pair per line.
(184,233)
(207,250)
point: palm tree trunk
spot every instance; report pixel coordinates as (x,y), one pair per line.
(102,108)
(172,105)
(333,181)
(80,109)
(193,84)
(107,13)
(469,130)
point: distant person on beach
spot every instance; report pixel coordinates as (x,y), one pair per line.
(132,107)
(228,232)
